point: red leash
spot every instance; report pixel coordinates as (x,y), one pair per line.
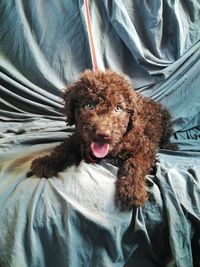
(90,37)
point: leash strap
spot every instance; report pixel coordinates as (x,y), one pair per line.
(90,37)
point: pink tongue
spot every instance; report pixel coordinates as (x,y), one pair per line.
(100,150)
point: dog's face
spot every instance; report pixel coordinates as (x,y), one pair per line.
(101,123)
(100,105)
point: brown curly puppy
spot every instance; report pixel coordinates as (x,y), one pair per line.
(112,121)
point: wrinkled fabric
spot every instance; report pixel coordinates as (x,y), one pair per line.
(73,219)
(44,47)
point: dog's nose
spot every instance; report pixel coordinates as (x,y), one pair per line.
(103,134)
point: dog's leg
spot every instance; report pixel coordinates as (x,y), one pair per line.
(131,184)
(64,155)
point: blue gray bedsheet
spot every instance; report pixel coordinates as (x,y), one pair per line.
(72,220)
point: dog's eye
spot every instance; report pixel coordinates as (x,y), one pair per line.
(89,106)
(117,109)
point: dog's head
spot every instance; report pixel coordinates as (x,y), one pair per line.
(102,106)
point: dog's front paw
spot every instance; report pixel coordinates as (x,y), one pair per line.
(130,195)
(43,167)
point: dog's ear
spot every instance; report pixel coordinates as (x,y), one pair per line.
(134,111)
(131,120)
(69,96)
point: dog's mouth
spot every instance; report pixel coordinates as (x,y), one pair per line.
(99,149)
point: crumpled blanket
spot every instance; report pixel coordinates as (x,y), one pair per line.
(73,219)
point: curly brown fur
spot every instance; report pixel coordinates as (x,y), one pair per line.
(109,114)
